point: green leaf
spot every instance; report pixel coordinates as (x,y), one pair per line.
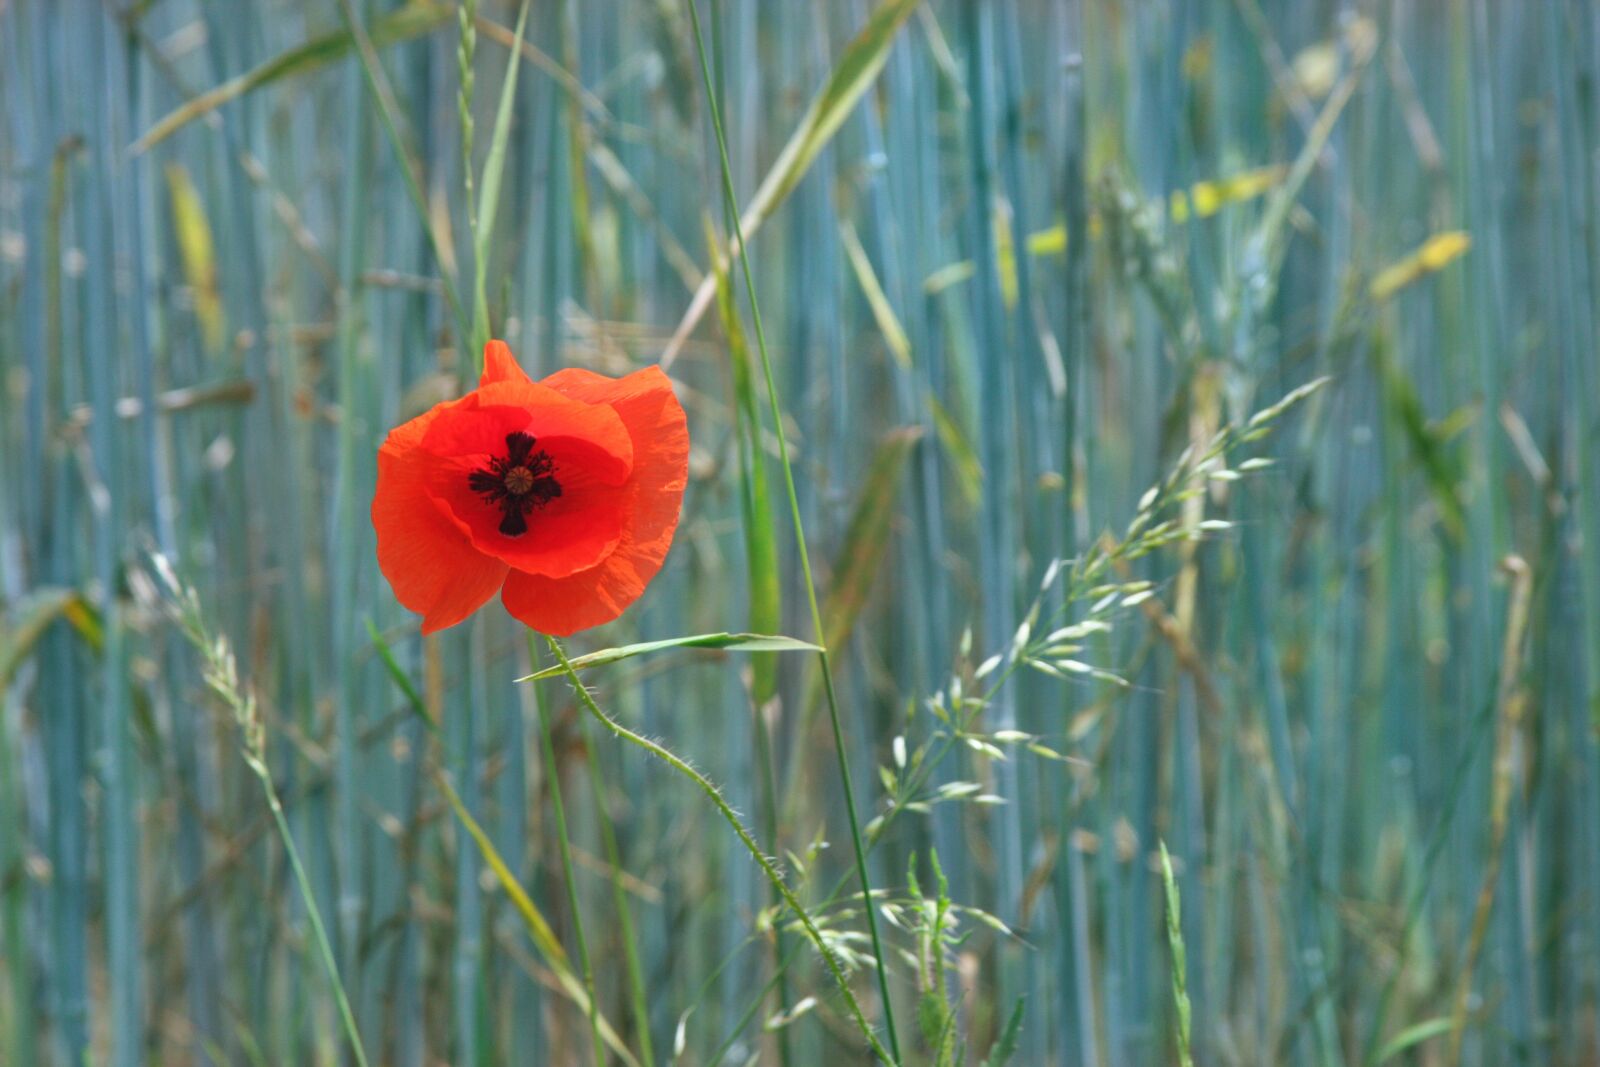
(882,311)
(723,642)
(36,614)
(1438,464)
(1180,965)
(197,253)
(963,457)
(1414,1034)
(398,674)
(858,67)
(418,17)
(1006,1046)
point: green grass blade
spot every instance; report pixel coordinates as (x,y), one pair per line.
(855,72)
(715,642)
(1180,961)
(543,937)
(416,19)
(489,194)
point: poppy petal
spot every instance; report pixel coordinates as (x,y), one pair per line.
(499,365)
(478,423)
(429,561)
(654,495)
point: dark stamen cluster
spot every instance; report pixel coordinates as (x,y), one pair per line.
(520,480)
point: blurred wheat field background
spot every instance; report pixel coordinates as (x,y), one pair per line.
(1273,322)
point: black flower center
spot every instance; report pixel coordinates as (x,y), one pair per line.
(517,482)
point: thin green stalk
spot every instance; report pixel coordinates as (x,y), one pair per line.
(750,1009)
(553,778)
(222,675)
(619,899)
(19,1022)
(732,818)
(324,946)
(799,536)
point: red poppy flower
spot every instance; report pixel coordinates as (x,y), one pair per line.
(561,494)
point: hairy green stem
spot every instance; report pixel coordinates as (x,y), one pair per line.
(732,818)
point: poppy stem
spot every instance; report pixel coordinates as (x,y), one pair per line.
(821,638)
(732,818)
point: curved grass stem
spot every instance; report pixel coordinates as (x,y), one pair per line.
(732,818)
(324,947)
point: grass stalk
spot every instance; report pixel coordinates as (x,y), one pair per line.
(1507,755)
(820,634)
(767,866)
(222,676)
(308,896)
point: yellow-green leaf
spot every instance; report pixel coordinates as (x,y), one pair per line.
(888,322)
(35,614)
(489,196)
(198,253)
(1412,1035)
(1201,200)
(1436,253)
(1204,199)
(544,939)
